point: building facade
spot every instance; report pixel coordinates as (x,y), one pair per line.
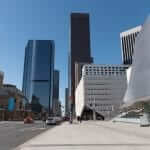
(78,72)
(55,91)
(56,85)
(66,102)
(59,112)
(127,44)
(11,95)
(38,72)
(80,48)
(101,89)
(1,78)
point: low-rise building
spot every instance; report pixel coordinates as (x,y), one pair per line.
(11,94)
(100,91)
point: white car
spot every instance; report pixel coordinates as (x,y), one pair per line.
(58,119)
(51,121)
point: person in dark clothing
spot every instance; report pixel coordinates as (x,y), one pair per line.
(44,119)
(80,119)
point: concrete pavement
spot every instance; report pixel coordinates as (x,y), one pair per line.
(92,136)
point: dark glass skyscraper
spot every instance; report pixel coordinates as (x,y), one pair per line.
(38,71)
(66,102)
(56,85)
(80,50)
(55,91)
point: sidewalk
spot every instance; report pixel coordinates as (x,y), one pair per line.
(91,136)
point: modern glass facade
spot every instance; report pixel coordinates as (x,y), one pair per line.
(56,85)
(38,71)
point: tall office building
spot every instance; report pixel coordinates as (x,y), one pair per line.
(55,91)
(38,72)
(1,78)
(127,44)
(80,48)
(66,102)
(56,85)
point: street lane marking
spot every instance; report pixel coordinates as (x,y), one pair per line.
(87,145)
(31,129)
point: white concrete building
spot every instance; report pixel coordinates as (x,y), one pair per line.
(101,89)
(127,44)
(128,73)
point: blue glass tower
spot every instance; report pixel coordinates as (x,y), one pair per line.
(38,72)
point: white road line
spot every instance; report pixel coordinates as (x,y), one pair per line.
(31,129)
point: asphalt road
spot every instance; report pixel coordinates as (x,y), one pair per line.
(13,134)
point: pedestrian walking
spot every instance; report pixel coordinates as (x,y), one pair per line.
(44,119)
(80,119)
(70,121)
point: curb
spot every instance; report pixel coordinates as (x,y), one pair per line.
(19,147)
(27,142)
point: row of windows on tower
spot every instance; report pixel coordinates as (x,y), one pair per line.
(90,94)
(98,89)
(104,68)
(102,107)
(98,99)
(105,73)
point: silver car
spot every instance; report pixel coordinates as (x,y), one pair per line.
(51,121)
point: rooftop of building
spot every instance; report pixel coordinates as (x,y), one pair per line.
(9,85)
(105,65)
(10,88)
(80,14)
(130,31)
(104,70)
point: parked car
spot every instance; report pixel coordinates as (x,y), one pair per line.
(58,120)
(51,121)
(66,118)
(28,120)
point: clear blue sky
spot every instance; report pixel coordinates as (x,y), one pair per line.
(21,20)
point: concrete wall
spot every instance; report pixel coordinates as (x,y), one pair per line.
(80,98)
